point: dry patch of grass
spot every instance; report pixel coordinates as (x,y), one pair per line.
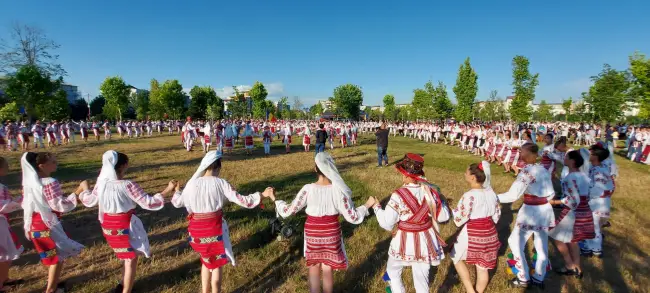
(266,265)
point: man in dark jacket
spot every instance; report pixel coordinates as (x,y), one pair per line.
(382,145)
(321,138)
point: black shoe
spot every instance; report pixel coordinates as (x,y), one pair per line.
(566,272)
(516,283)
(538,284)
(586,253)
(118,289)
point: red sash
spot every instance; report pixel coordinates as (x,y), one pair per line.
(420,221)
(44,245)
(116,230)
(323,243)
(206,238)
(483,243)
(532,200)
(248,140)
(229,142)
(547,162)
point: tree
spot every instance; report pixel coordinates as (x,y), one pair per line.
(488,111)
(116,93)
(465,89)
(544,111)
(283,103)
(608,94)
(524,84)
(140,103)
(348,98)
(29,46)
(79,110)
(56,107)
(199,102)
(566,105)
(389,107)
(297,104)
(258,93)
(97,105)
(316,109)
(423,105)
(9,112)
(173,98)
(580,112)
(30,88)
(640,90)
(441,102)
(215,107)
(156,105)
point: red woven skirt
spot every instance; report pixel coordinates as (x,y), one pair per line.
(323,243)
(483,243)
(116,230)
(248,141)
(206,238)
(51,136)
(306,140)
(228,142)
(44,245)
(490,149)
(583,227)
(207,139)
(504,156)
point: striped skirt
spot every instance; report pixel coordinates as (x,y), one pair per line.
(206,238)
(483,243)
(323,242)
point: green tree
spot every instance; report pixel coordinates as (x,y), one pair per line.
(316,109)
(524,84)
(140,103)
(79,110)
(199,102)
(544,111)
(116,93)
(30,88)
(237,106)
(465,89)
(566,105)
(156,105)
(173,98)
(97,105)
(423,105)
(297,104)
(29,46)
(348,98)
(640,79)
(608,94)
(489,110)
(56,107)
(389,107)
(9,112)
(258,93)
(283,103)
(441,102)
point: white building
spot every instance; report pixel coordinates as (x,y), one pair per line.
(71,92)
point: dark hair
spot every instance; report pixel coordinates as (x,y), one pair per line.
(527,134)
(599,152)
(36,159)
(122,159)
(561,141)
(576,158)
(475,171)
(321,126)
(531,147)
(216,165)
(3,162)
(549,135)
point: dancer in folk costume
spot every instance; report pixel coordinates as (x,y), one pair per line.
(186,136)
(51,137)
(57,132)
(117,199)
(600,197)
(129,129)
(149,127)
(267,139)
(204,197)
(229,138)
(207,137)
(306,138)
(344,136)
(120,130)
(535,217)
(415,208)
(63,132)
(37,130)
(23,136)
(546,154)
(10,247)
(218,136)
(107,130)
(83,129)
(354,132)
(95,127)
(324,200)
(331,135)
(287,137)
(478,242)
(12,134)
(248,138)
(43,204)
(70,128)
(517,163)
(576,221)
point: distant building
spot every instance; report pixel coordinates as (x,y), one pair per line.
(71,92)
(134,90)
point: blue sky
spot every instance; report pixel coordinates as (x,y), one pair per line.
(306,48)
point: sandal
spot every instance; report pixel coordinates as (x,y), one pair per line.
(566,272)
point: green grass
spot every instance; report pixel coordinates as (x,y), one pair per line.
(266,265)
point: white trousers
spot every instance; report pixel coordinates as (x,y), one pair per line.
(517,243)
(420,275)
(38,141)
(595,244)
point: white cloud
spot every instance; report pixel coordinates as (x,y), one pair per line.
(275,89)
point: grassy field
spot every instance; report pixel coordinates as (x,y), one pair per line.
(267,265)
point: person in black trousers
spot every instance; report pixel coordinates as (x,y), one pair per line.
(321,138)
(382,145)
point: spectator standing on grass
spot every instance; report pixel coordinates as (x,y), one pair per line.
(382,145)
(321,138)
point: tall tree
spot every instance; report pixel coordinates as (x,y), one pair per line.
(56,107)
(524,84)
(140,103)
(423,105)
(173,98)
(258,93)
(465,89)
(97,105)
(156,105)
(544,111)
(9,112)
(297,104)
(316,109)
(566,105)
(389,107)
(199,102)
(116,93)
(348,98)
(441,102)
(29,46)
(283,103)
(79,110)
(640,90)
(608,94)
(30,88)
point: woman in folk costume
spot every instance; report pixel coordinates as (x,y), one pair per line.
(415,208)
(204,197)
(37,130)
(248,138)
(218,136)
(600,193)
(517,163)
(95,127)
(51,139)
(70,128)
(478,242)
(63,131)
(12,134)
(545,153)
(287,137)
(306,138)
(23,136)
(187,137)
(324,200)
(206,140)
(267,139)
(120,130)
(229,138)
(43,204)
(331,135)
(117,199)
(505,149)
(344,136)
(107,130)
(576,222)
(10,247)
(83,129)
(535,217)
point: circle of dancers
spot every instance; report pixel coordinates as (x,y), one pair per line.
(412,213)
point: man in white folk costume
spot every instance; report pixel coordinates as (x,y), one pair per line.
(535,217)
(415,208)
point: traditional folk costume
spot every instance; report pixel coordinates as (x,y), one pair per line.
(11,131)
(415,209)
(267,139)
(117,200)
(107,130)
(207,137)
(23,134)
(51,138)
(287,135)
(43,203)
(477,213)
(306,136)
(95,128)
(63,130)
(600,193)
(70,129)
(229,138)
(576,221)
(248,137)
(10,247)
(323,240)
(204,197)
(547,159)
(535,217)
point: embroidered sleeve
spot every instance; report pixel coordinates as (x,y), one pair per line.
(443,213)
(8,204)
(571,193)
(246,201)
(387,218)
(89,199)
(518,187)
(599,185)
(298,203)
(144,200)
(55,199)
(497,211)
(177,199)
(345,206)
(463,210)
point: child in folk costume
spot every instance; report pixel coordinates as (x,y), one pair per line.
(37,130)
(324,201)
(229,138)
(107,130)
(70,128)
(306,138)
(478,242)
(248,138)
(207,137)
(43,204)
(12,134)
(287,137)
(117,199)
(535,217)
(415,208)
(10,247)
(576,222)
(95,128)
(23,136)
(51,139)
(204,197)
(267,139)
(600,193)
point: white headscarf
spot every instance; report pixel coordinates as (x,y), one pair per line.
(587,164)
(325,164)
(109,159)
(33,199)
(486,169)
(209,159)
